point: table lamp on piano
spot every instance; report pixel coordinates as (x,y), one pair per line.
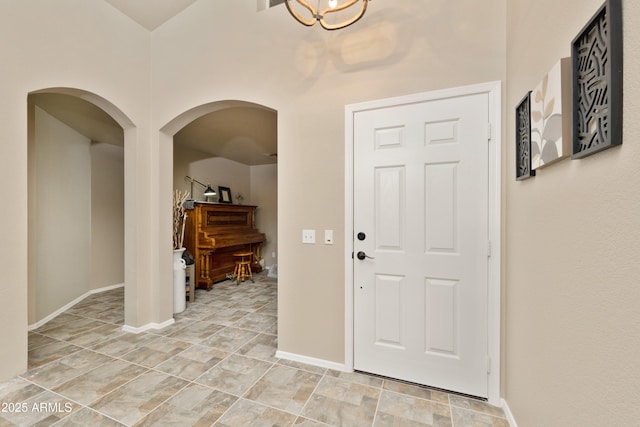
(208,190)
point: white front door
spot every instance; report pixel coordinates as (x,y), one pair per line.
(421,242)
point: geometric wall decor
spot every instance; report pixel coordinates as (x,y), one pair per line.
(551,116)
(523,139)
(596,56)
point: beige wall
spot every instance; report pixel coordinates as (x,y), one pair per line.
(308,75)
(107,215)
(62,221)
(264,194)
(77,215)
(214,171)
(572,324)
(221,172)
(41,48)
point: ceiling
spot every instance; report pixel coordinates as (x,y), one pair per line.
(153,13)
(150,13)
(243,132)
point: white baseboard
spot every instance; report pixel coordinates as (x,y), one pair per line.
(71,304)
(312,361)
(508,414)
(148,326)
(104,289)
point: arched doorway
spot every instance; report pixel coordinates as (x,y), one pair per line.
(76,206)
(230,144)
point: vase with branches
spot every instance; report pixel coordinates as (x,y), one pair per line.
(179,217)
(179,265)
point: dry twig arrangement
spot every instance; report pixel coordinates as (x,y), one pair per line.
(179,217)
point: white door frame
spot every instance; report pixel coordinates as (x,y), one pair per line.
(493,90)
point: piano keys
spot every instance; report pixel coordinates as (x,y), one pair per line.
(213,233)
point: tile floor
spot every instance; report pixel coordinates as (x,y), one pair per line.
(215,365)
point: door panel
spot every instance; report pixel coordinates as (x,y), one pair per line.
(441,327)
(389,212)
(441,208)
(389,310)
(420,196)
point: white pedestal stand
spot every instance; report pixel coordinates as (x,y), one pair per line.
(179,294)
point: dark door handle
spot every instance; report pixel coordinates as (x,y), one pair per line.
(361,255)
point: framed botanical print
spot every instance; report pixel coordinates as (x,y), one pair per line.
(225,195)
(550,109)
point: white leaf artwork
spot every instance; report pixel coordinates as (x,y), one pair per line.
(550,109)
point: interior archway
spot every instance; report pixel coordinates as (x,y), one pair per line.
(76,143)
(228,143)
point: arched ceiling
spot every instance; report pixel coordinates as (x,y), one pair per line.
(243,132)
(80,115)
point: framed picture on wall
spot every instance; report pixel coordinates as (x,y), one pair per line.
(523,139)
(597,82)
(550,109)
(225,195)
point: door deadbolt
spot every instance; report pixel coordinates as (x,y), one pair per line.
(361,236)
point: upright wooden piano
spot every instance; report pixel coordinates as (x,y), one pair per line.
(214,232)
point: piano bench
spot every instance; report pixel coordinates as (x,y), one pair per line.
(243,267)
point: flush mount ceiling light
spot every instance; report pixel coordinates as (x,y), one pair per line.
(308,15)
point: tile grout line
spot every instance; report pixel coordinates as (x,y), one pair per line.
(417,397)
(478,412)
(375,413)
(304,407)
(81,408)
(188,383)
(450,410)
(81,405)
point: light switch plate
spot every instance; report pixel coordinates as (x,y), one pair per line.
(308,236)
(328,237)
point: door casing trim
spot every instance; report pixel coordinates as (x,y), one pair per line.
(494,92)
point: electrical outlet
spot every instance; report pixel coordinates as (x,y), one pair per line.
(308,236)
(328,237)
